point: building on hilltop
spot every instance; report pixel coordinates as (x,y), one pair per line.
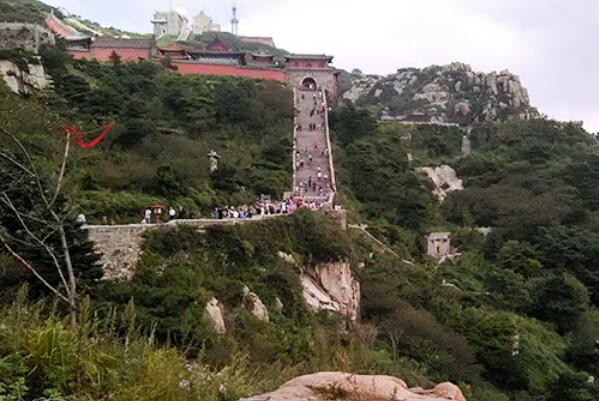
(169,23)
(101,48)
(218,53)
(260,40)
(311,71)
(263,59)
(203,23)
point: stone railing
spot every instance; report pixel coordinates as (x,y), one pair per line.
(328,137)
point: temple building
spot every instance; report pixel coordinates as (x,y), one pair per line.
(260,40)
(101,48)
(311,71)
(203,23)
(218,53)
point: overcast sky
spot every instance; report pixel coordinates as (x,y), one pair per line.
(553,45)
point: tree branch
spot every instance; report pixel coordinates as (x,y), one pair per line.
(32,269)
(31,164)
(49,251)
(62,169)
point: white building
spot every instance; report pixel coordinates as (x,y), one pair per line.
(170,23)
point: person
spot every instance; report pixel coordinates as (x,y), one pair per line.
(147,216)
(182,213)
(81,219)
(172,214)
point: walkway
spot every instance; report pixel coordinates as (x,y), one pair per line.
(312,153)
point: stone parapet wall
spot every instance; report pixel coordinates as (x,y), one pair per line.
(120,246)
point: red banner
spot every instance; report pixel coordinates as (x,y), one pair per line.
(79,136)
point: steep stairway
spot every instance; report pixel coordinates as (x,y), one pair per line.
(314,176)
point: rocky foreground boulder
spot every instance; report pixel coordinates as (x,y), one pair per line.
(338,386)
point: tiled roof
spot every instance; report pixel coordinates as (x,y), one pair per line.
(118,43)
(309,57)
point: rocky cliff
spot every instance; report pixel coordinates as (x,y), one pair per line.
(347,387)
(452,93)
(24,78)
(332,287)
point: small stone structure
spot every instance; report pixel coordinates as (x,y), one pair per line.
(438,244)
(348,387)
(29,37)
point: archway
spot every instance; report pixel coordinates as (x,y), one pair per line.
(309,84)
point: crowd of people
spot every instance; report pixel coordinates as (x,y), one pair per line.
(265,208)
(256,211)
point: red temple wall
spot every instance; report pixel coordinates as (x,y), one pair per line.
(231,70)
(79,54)
(126,54)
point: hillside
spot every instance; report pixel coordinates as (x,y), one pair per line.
(442,94)
(24,11)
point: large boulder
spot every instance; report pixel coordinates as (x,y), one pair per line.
(445,180)
(254,304)
(340,386)
(332,287)
(214,312)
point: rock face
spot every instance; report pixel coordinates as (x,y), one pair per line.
(445,180)
(441,94)
(24,80)
(214,311)
(254,304)
(347,387)
(332,287)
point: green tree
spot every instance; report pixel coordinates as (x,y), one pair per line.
(561,299)
(349,123)
(169,182)
(573,387)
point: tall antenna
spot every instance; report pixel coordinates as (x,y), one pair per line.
(234,21)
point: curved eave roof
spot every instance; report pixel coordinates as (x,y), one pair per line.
(319,57)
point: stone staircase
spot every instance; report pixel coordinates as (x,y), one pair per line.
(314,175)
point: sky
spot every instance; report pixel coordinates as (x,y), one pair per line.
(553,45)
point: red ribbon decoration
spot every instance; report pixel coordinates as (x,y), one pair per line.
(79,136)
